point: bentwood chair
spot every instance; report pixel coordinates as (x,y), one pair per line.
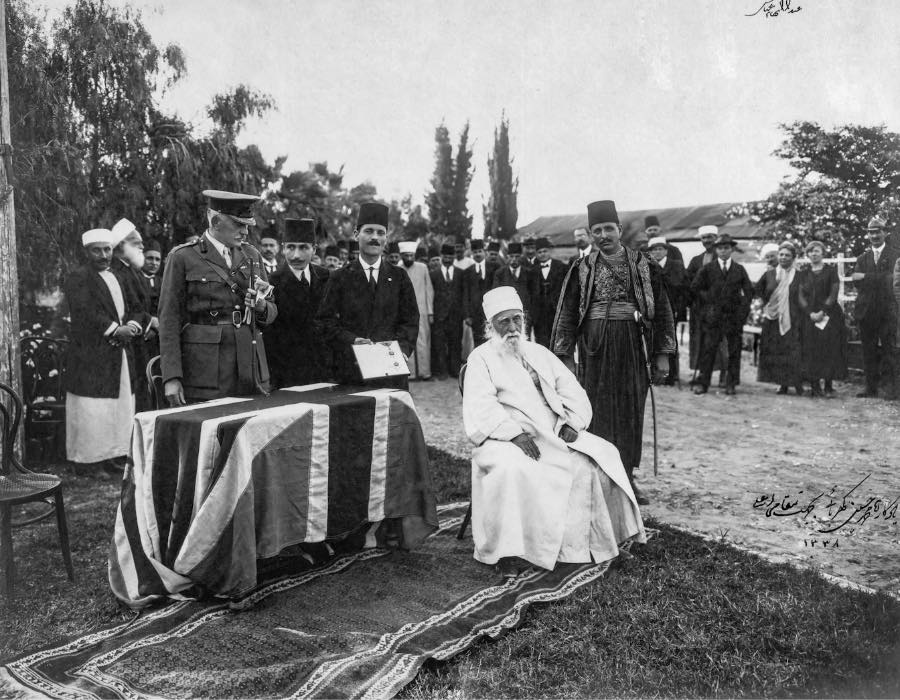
(19,486)
(43,393)
(155,383)
(468,517)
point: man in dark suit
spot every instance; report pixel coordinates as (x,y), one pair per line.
(549,274)
(100,360)
(448,344)
(493,253)
(673,277)
(876,311)
(150,273)
(477,280)
(582,244)
(295,347)
(369,301)
(707,236)
(529,252)
(725,291)
(653,229)
(210,311)
(514,274)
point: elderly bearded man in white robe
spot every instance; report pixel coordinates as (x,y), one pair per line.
(543,488)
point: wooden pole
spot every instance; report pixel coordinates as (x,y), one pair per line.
(9,279)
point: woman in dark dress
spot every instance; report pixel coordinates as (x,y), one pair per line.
(779,344)
(823,335)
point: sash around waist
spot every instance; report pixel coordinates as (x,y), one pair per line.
(618,311)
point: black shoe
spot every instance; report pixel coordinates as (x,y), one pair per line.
(782,390)
(699,389)
(507,567)
(729,391)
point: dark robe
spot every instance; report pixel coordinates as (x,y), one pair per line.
(476,286)
(546,298)
(350,310)
(446,342)
(876,311)
(93,365)
(295,347)
(525,284)
(824,350)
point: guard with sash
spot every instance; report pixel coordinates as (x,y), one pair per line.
(214,300)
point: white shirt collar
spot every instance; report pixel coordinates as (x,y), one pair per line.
(300,274)
(662,263)
(879,249)
(366,266)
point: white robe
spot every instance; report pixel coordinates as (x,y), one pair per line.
(562,507)
(420,362)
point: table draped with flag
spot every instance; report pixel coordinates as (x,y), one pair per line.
(216,486)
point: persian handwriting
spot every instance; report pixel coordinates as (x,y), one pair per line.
(835,512)
(773,8)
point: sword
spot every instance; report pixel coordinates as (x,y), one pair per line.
(637,318)
(250,320)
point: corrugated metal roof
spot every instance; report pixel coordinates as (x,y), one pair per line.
(678,224)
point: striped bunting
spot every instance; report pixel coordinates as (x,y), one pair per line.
(218,485)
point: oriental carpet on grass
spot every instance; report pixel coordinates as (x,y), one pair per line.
(360,626)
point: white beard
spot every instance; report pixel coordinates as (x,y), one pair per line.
(508,344)
(134,255)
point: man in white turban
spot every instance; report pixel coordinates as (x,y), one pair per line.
(420,362)
(543,488)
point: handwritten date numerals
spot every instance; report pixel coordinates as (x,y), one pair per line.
(821,544)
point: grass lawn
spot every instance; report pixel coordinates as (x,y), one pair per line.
(683,618)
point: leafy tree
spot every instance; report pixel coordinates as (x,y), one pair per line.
(501,212)
(844,177)
(460,219)
(406,222)
(439,199)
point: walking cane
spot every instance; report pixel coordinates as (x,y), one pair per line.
(250,320)
(637,318)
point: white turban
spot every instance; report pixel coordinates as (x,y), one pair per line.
(500,299)
(96,235)
(408,247)
(655,241)
(707,231)
(122,230)
(768,248)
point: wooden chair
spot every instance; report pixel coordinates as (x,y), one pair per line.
(468,517)
(43,393)
(155,383)
(19,485)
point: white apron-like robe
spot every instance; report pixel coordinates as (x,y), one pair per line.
(420,361)
(561,507)
(100,429)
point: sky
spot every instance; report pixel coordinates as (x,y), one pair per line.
(650,103)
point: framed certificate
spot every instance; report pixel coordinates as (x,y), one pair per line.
(381,360)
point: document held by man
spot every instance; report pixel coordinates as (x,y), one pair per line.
(384,359)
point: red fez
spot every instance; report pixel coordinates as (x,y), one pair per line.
(434,252)
(493,247)
(152,244)
(342,244)
(392,247)
(650,221)
(477,244)
(372,213)
(602,212)
(514,248)
(448,249)
(300,231)
(332,251)
(353,246)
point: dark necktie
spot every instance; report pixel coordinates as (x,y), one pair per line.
(303,281)
(372,280)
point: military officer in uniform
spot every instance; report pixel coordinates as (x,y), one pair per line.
(210,311)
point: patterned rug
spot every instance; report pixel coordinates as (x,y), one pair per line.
(360,626)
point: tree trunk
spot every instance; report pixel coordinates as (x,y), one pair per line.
(9,280)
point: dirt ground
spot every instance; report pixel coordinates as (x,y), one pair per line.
(741,467)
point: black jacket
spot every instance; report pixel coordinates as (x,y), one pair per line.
(548,291)
(525,285)
(725,299)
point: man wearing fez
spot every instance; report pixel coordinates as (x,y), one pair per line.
(608,310)
(493,253)
(477,280)
(707,236)
(296,351)
(127,262)
(461,260)
(352,251)
(515,274)
(332,257)
(725,291)
(422,256)
(582,244)
(550,274)
(100,361)
(448,339)
(876,312)
(543,488)
(212,307)
(419,275)
(344,248)
(369,301)
(269,249)
(654,230)
(392,252)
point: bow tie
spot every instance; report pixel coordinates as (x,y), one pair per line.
(546,264)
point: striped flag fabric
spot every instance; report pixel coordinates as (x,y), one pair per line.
(216,486)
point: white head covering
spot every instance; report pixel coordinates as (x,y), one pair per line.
(122,230)
(707,231)
(96,235)
(768,248)
(408,247)
(655,241)
(500,299)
